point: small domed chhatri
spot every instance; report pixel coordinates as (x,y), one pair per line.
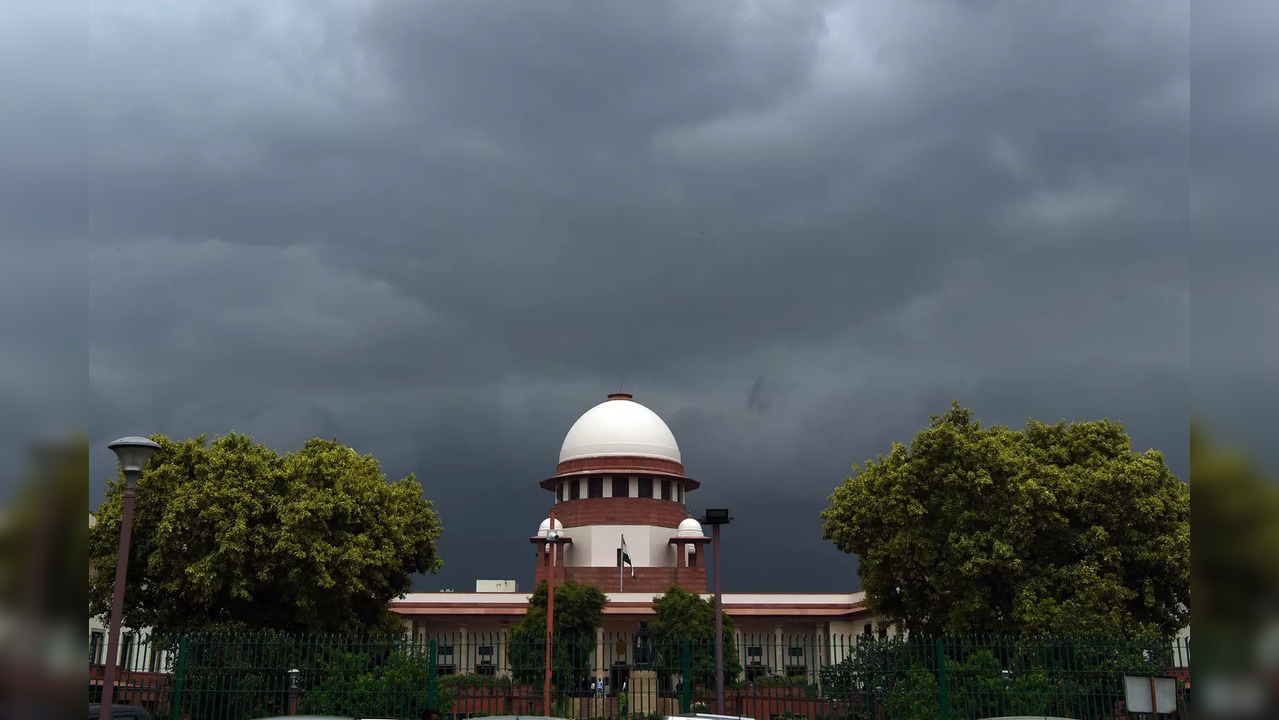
(690,528)
(620,475)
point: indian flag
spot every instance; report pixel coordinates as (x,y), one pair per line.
(626,557)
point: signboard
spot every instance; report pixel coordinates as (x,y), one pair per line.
(1150,694)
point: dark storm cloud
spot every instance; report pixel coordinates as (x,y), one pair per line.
(441,231)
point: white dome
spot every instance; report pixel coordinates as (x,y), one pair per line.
(689,527)
(619,426)
(546,525)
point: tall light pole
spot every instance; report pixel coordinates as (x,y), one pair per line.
(552,535)
(715,518)
(133,453)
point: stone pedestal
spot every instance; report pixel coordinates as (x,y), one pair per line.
(595,706)
(642,693)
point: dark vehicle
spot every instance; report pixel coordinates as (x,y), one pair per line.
(120,712)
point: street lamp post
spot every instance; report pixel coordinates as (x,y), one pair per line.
(715,518)
(132,453)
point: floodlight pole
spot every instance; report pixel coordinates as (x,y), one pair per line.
(716,518)
(719,624)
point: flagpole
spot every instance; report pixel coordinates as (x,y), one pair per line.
(621,563)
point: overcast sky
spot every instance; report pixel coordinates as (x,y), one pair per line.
(440,231)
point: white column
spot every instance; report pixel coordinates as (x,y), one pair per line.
(600,653)
(819,652)
(462,651)
(779,651)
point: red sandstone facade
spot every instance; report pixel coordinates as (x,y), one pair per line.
(647,580)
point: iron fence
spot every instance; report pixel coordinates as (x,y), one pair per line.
(770,677)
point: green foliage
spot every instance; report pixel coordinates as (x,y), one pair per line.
(47,513)
(236,677)
(990,677)
(362,684)
(245,676)
(233,536)
(1236,575)
(475,680)
(682,615)
(579,609)
(1050,529)
(780,681)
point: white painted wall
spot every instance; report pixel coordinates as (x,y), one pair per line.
(596,545)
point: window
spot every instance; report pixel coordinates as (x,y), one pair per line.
(666,489)
(755,662)
(575,490)
(485,666)
(95,647)
(561,492)
(679,493)
(621,487)
(595,487)
(126,651)
(794,652)
(868,629)
(646,487)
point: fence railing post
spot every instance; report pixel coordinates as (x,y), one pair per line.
(943,684)
(179,677)
(432,676)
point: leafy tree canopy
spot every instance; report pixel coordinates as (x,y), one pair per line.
(682,615)
(1236,575)
(579,609)
(45,524)
(1050,529)
(233,536)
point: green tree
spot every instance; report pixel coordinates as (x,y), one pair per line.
(233,536)
(579,609)
(238,676)
(1050,529)
(45,523)
(682,615)
(897,676)
(1236,575)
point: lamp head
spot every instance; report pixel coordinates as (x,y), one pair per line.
(133,453)
(716,516)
